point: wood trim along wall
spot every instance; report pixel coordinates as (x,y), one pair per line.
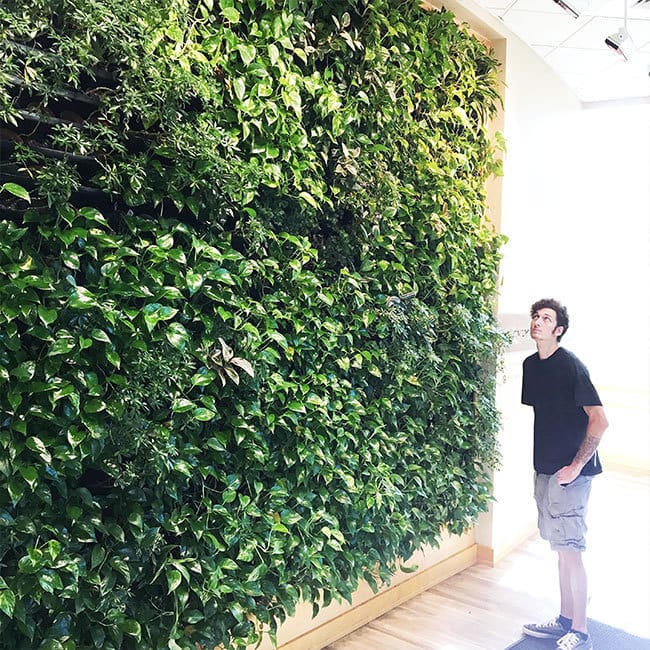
(383,602)
(490,556)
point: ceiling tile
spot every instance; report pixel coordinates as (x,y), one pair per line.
(496,4)
(540,28)
(543,50)
(546,6)
(575,61)
(576,49)
(593,33)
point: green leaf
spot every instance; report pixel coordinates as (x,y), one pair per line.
(15,399)
(227,565)
(222,275)
(7,602)
(30,474)
(178,336)
(97,557)
(132,628)
(231,14)
(121,567)
(166,241)
(247,52)
(181,405)
(112,356)
(239,86)
(74,512)
(92,214)
(64,344)
(16,190)
(216,444)
(70,259)
(204,377)
(194,281)
(183,467)
(100,335)
(135,519)
(94,405)
(50,581)
(51,644)
(84,343)
(408,569)
(37,445)
(155,312)
(174,579)
(98,635)
(24,371)
(82,298)
(118,533)
(202,414)
(48,316)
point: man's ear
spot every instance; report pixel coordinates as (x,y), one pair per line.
(559,330)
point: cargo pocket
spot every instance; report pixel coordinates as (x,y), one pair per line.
(567,509)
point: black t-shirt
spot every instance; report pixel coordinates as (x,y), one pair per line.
(557,388)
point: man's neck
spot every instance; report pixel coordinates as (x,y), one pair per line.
(546,348)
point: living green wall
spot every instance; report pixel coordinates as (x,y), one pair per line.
(246,331)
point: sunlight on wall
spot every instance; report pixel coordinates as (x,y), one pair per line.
(583,236)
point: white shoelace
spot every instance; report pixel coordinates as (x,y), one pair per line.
(569,641)
(553,624)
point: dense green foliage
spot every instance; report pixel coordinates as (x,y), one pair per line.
(257,369)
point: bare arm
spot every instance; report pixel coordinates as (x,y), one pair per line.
(595,429)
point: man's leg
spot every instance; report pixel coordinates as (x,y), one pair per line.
(557,627)
(573,588)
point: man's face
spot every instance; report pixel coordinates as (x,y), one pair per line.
(543,326)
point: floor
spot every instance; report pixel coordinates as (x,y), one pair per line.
(483,608)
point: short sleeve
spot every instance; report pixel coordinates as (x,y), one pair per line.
(585,393)
(527,387)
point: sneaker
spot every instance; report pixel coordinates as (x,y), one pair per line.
(550,630)
(573,641)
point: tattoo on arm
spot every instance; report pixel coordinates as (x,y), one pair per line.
(587,449)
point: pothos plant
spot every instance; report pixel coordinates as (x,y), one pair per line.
(246,320)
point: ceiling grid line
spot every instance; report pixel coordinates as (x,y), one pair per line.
(575,48)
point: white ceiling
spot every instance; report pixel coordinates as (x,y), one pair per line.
(575,47)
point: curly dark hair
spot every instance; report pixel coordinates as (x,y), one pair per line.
(561,313)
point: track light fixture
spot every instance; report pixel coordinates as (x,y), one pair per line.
(570,7)
(620,41)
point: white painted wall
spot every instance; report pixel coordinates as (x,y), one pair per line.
(609,291)
(580,232)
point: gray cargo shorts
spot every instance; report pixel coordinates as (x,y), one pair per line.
(561,511)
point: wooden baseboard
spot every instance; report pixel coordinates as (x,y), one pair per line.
(485,555)
(490,557)
(383,602)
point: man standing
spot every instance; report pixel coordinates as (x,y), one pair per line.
(569,423)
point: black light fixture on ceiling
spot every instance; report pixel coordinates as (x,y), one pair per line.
(569,6)
(576,7)
(620,41)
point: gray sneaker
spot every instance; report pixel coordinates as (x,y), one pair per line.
(549,630)
(573,641)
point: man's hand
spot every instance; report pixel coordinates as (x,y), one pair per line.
(568,474)
(595,428)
